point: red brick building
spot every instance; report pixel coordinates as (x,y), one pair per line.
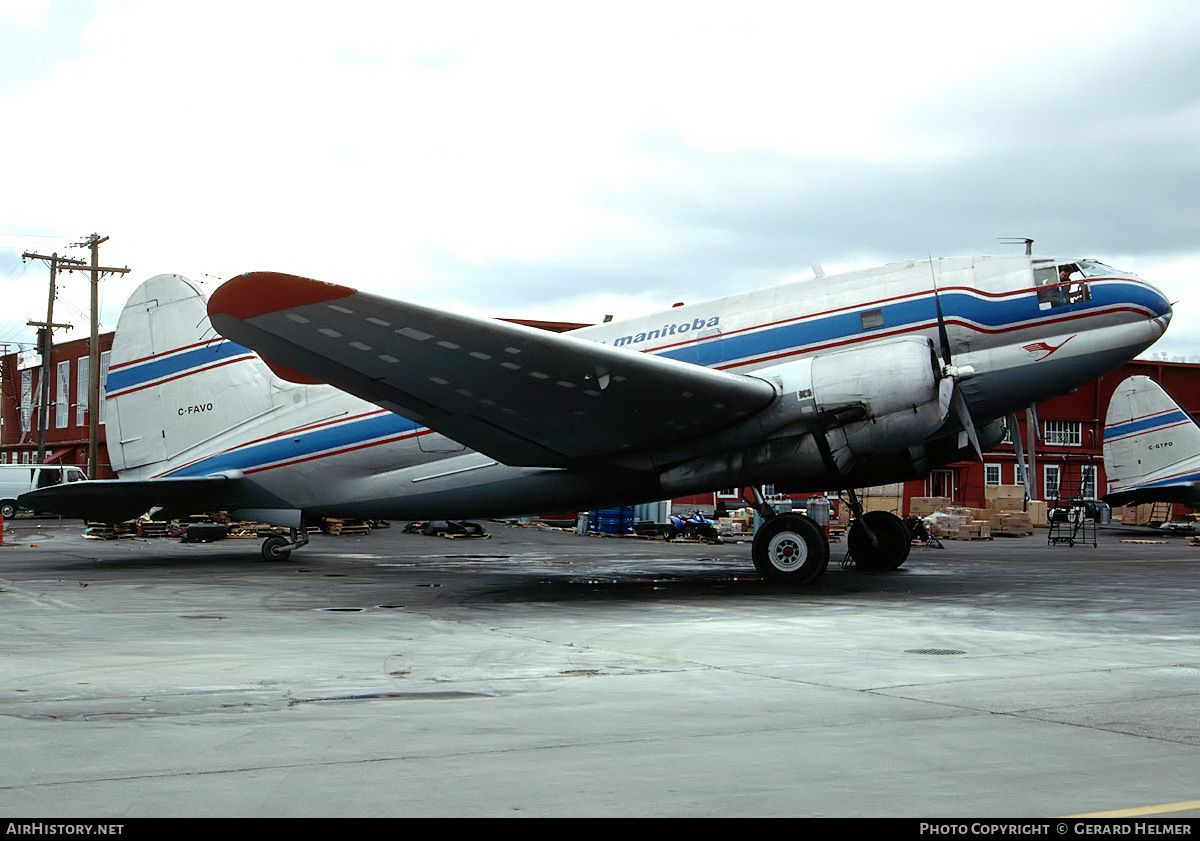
(66,416)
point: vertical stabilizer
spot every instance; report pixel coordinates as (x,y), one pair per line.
(1149,441)
(173,383)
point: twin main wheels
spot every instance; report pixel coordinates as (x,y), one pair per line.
(793,549)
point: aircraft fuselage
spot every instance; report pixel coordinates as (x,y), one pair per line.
(1009,329)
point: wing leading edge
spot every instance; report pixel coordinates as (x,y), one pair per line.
(517,394)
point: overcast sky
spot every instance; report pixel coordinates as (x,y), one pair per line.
(564,160)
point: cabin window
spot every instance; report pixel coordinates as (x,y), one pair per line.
(1060,284)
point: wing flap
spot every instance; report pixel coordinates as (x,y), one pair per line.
(518,394)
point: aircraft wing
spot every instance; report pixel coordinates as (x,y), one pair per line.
(520,395)
(118,500)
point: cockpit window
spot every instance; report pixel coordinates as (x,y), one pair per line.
(1092,268)
(1061,284)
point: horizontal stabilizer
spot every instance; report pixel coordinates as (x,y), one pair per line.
(118,500)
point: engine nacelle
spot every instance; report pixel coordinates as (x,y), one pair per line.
(867,399)
(836,413)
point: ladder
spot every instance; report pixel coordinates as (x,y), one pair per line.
(1072,518)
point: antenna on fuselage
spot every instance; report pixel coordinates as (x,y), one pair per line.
(1015,240)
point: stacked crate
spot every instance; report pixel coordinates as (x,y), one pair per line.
(611,520)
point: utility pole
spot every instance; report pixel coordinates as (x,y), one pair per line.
(67,264)
(93,396)
(47,342)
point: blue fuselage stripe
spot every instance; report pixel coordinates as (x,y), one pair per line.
(172,365)
(1143,425)
(988,314)
(302,444)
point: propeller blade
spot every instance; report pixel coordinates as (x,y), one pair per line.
(964,417)
(945,396)
(943,335)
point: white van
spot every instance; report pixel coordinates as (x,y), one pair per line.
(16,479)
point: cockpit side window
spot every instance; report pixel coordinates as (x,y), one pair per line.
(1060,284)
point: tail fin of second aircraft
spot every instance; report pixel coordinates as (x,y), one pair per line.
(173,382)
(1149,441)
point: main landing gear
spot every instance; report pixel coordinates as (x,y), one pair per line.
(793,549)
(788,548)
(278,548)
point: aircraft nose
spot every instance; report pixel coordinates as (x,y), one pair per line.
(1161,307)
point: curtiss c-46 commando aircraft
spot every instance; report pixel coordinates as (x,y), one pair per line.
(287,398)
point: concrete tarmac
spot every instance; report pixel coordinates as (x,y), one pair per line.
(540,673)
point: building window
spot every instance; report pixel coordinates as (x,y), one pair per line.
(1018,475)
(991,474)
(26,399)
(1051,475)
(62,397)
(1063,433)
(81,391)
(1087,475)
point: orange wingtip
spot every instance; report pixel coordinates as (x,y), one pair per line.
(259,293)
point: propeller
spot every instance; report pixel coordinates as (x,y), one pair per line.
(949,396)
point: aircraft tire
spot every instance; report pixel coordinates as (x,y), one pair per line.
(790,549)
(880,542)
(272,548)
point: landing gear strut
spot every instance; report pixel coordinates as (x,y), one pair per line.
(278,548)
(878,540)
(788,548)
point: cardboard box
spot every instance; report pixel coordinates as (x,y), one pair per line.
(992,492)
(1037,512)
(923,506)
(1010,523)
(883,503)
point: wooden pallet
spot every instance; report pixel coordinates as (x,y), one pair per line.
(345,526)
